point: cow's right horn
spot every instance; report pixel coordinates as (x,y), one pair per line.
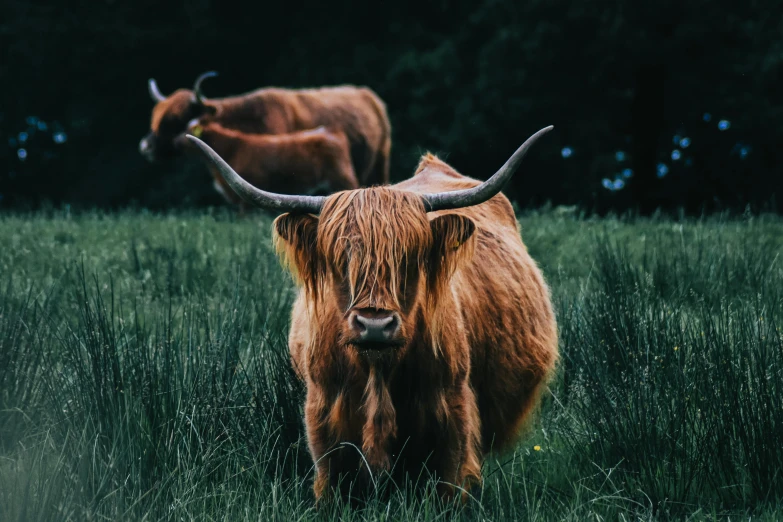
(155,93)
(260,198)
(481,193)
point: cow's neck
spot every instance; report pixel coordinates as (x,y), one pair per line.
(224,145)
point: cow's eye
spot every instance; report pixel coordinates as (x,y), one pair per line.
(340,272)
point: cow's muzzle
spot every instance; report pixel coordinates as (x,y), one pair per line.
(147,148)
(375,329)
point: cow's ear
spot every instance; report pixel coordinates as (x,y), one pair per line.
(452,241)
(450,232)
(295,241)
(298,230)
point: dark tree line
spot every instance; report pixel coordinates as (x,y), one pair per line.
(668,103)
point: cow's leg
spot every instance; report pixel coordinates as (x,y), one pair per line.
(459,463)
(217,184)
(470,468)
(326,423)
(380,424)
(382,175)
(344,180)
(378,173)
(344,177)
(318,439)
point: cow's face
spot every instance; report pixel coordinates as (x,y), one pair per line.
(375,263)
(170,118)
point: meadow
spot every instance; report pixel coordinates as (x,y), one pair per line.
(144,374)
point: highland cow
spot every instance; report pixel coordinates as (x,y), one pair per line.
(356,111)
(424,331)
(310,161)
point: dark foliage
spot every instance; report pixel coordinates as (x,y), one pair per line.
(470,80)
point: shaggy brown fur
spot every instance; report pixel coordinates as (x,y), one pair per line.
(311,161)
(478,334)
(356,111)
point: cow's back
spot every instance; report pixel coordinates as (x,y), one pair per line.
(356,111)
(505,305)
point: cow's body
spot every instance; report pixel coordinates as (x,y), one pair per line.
(355,111)
(311,161)
(473,367)
(424,331)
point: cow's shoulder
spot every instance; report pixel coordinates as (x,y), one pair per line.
(435,175)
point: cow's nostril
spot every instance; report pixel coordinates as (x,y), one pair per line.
(357,324)
(145,146)
(391,328)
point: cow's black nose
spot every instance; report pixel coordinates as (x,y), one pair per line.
(375,326)
(147,149)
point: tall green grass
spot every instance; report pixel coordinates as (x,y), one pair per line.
(144,375)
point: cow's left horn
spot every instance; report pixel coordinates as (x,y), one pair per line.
(200,99)
(260,198)
(155,93)
(481,193)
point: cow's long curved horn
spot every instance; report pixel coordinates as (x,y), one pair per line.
(260,198)
(481,193)
(155,93)
(200,98)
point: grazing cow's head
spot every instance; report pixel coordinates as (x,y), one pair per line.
(372,260)
(170,118)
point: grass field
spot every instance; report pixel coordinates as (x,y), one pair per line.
(144,375)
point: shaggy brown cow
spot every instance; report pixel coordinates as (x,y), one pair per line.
(315,160)
(424,331)
(356,111)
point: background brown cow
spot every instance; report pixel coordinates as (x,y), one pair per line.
(316,160)
(424,330)
(356,111)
